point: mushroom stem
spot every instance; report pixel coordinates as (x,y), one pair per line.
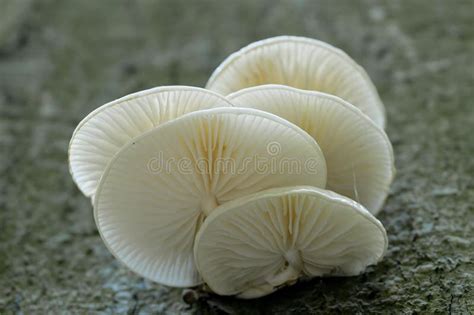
(289,274)
(208,204)
(256,292)
(292,270)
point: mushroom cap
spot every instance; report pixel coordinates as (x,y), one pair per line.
(156,191)
(359,155)
(303,63)
(253,245)
(105,130)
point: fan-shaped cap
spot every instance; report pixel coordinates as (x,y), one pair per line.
(303,63)
(358,154)
(104,131)
(156,191)
(256,244)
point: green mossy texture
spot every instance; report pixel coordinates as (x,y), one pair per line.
(61,59)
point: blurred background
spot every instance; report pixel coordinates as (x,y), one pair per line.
(61,59)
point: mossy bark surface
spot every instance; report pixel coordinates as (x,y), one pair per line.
(61,59)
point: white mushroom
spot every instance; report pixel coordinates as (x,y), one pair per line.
(253,245)
(302,63)
(156,191)
(104,131)
(358,154)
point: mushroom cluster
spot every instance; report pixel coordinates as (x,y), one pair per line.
(272,174)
